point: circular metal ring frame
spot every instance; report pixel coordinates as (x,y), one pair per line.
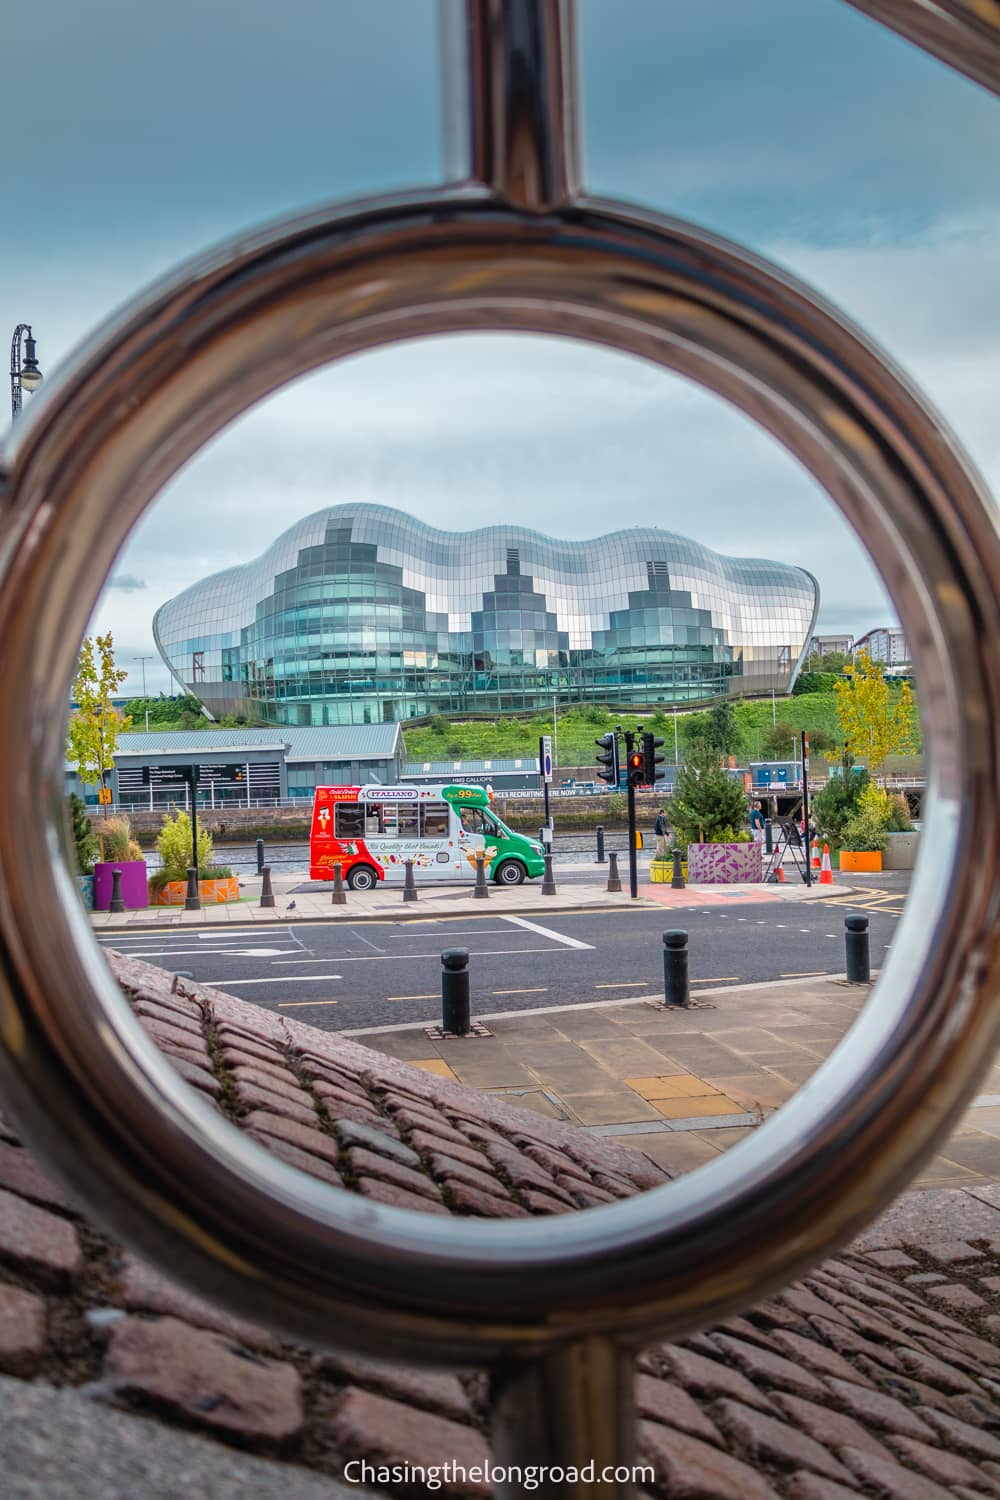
(166,1171)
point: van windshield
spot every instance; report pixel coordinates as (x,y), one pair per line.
(478,820)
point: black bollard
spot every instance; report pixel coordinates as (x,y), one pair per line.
(117,904)
(677,881)
(600,844)
(768,837)
(548,880)
(409,884)
(675,968)
(614,883)
(859,969)
(192,902)
(260,856)
(266,893)
(339,897)
(456,1009)
(482,890)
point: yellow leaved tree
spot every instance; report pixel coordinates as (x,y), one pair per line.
(875,721)
(95,725)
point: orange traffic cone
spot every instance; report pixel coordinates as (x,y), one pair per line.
(826,869)
(779,875)
(815,854)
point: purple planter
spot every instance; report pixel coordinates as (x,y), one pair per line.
(135,892)
(724,864)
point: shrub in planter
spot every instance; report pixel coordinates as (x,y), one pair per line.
(865,833)
(173,844)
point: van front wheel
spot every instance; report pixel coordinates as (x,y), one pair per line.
(362,878)
(511,872)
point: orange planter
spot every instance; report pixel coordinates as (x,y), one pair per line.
(861,861)
(174,893)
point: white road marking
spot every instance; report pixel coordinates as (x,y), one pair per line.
(542,991)
(630,984)
(405,958)
(203,952)
(278,979)
(557,937)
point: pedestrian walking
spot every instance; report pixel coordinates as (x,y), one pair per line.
(660,829)
(757,823)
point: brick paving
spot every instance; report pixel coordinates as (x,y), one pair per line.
(877,1375)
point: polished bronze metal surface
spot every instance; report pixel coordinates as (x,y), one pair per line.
(158,1164)
(963,33)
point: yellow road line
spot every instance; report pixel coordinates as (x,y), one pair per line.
(412,997)
(719,979)
(543,989)
(807,974)
(295,1004)
(629,984)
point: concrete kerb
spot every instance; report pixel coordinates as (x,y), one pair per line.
(818,981)
(383,905)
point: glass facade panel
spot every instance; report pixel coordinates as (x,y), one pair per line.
(361,615)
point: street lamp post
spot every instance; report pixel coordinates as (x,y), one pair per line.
(143,660)
(24,372)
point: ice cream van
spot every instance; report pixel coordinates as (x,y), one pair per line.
(371,831)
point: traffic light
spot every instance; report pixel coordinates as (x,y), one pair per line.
(234,773)
(651,761)
(636,768)
(608,762)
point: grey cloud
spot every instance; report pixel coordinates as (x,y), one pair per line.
(125,583)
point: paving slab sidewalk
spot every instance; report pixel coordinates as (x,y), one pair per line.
(681,1085)
(293,903)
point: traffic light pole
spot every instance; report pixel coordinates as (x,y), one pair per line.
(192,779)
(633,872)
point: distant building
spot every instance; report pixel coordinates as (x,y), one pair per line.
(244,767)
(819,645)
(887,644)
(363,615)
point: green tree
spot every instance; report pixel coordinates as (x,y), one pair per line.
(815,682)
(827,661)
(95,726)
(708,806)
(779,742)
(84,842)
(875,721)
(821,743)
(723,735)
(835,806)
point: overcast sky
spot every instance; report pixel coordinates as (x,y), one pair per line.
(139,134)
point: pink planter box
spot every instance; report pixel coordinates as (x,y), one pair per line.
(724,864)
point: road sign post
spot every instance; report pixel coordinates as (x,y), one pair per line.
(545,772)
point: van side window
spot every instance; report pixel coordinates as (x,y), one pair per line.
(434,820)
(472,819)
(349,820)
(397,820)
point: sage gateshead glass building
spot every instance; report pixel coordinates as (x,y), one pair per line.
(360,614)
